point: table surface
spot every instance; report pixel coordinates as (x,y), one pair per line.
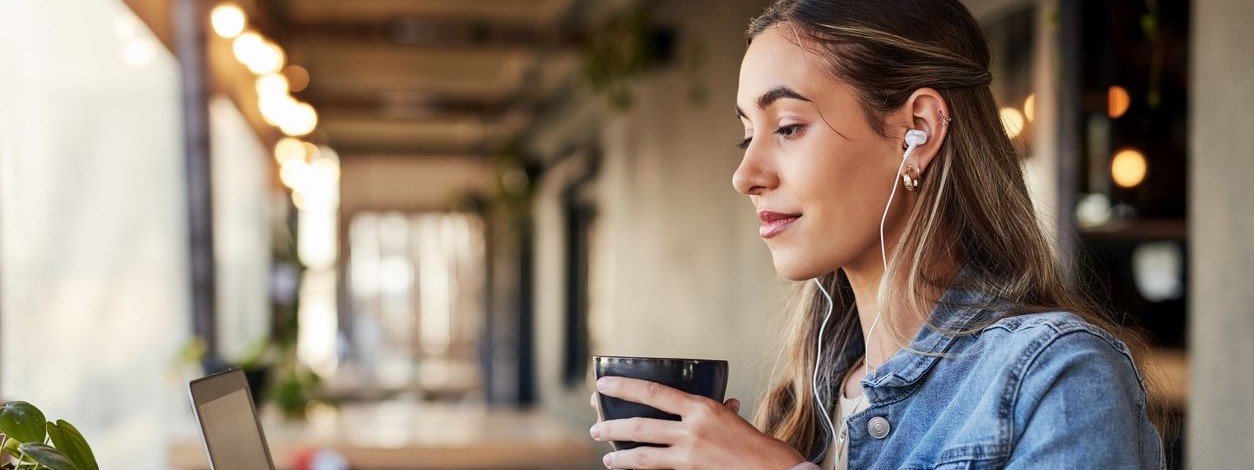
(410,435)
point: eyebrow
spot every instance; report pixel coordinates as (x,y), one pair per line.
(773,95)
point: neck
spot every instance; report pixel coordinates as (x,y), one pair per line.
(880,344)
(864,279)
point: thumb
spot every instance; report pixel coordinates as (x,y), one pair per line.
(734,404)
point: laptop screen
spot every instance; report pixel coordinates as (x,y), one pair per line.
(233,436)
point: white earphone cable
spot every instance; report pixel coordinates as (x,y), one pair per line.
(818,359)
(818,353)
(866,363)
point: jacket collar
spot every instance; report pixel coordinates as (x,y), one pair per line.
(957,310)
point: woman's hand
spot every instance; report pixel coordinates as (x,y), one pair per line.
(710,435)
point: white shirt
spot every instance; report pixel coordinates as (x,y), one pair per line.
(845,408)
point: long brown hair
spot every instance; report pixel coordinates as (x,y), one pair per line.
(973,208)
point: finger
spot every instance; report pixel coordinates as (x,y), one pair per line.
(654,431)
(640,458)
(647,393)
(734,404)
(592,400)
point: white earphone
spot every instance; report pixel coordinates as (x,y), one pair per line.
(914,138)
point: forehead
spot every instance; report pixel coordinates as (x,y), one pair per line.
(775,59)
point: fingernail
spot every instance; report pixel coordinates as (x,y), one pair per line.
(608,459)
(601,383)
(595,431)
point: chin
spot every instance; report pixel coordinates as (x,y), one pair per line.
(798,269)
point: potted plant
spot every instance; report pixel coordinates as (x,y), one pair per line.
(30,441)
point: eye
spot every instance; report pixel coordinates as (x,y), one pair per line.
(744,144)
(789,131)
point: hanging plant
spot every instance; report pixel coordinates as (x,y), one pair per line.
(627,45)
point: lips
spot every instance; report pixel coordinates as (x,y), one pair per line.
(774,223)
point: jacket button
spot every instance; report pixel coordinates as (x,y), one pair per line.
(878,427)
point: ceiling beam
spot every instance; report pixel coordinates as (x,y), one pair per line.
(457,73)
(363,149)
(425,32)
(533,12)
(406,106)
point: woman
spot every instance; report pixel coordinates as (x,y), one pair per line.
(977,354)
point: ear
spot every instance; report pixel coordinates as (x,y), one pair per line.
(924,110)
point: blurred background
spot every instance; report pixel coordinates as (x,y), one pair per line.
(414,221)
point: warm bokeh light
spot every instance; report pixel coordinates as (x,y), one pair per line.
(298,200)
(1117,101)
(262,58)
(288,149)
(1012,119)
(329,153)
(271,59)
(228,20)
(298,120)
(313,175)
(258,54)
(312,152)
(247,46)
(297,77)
(327,170)
(275,109)
(1029,107)
(318,185)
(272,85)
(1128,168)
(293,173)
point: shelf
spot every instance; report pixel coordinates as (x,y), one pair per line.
(1138,230)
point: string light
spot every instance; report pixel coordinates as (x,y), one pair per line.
(228,20)
(289,149)
(1013,121)
(1117,101)
(1128,168)
(275,109)
(272,85)
(298,77)
(246,47)
(298,120)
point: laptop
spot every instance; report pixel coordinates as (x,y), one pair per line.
(228,421)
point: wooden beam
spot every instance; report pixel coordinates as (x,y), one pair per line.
(533,12)
(407,106)
(422,32)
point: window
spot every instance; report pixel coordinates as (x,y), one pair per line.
(416,288)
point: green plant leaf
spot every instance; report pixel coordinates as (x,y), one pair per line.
(10,446)
(69,441)
(22,421)
(47,456)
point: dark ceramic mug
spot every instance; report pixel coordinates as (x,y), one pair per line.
(705,377)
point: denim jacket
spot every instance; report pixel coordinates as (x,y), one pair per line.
(1044,390)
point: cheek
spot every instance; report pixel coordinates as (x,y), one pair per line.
(840,182)
(846,192)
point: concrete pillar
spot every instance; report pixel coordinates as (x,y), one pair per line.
(1221,226)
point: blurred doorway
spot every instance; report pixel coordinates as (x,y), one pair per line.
(415,285)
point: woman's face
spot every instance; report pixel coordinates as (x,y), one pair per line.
(816,172)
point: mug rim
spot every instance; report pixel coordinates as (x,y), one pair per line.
(610,358)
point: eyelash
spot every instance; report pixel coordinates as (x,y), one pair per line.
(786,132)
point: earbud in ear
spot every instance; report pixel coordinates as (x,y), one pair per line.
(915,137)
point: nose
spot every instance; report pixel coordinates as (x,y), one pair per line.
(754,175)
